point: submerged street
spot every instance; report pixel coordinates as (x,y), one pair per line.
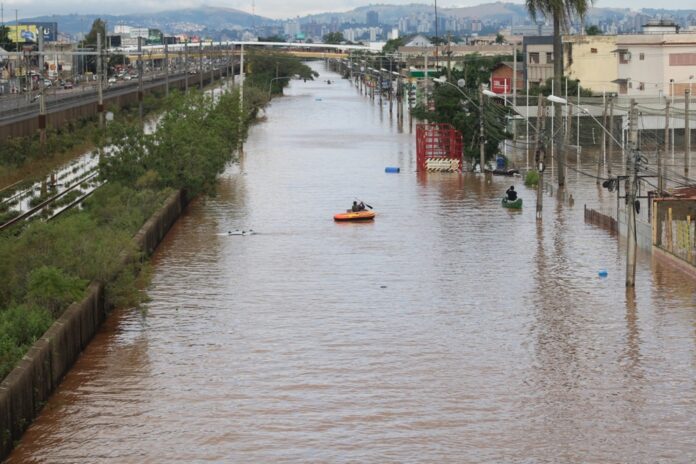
(449,329)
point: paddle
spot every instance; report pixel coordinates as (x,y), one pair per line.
(369,206)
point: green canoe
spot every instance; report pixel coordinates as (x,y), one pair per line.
(517,204)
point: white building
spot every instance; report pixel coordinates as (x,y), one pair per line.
(655,64)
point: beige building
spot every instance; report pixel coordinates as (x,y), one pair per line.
(592,60)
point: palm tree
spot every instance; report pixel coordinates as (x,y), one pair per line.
(561,12)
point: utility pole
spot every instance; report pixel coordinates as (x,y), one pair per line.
(631,185)
(610,153)
(200,63)
(604,143)
(100,82)
(661,154)
(166,69)
(186,72)
(241,99)
(42,101)
(514,93)
(482,141)
(140,79)
(687,133)
(540,154)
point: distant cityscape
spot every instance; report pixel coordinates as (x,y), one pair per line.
(364,24)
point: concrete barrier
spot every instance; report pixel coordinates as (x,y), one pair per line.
(26,389)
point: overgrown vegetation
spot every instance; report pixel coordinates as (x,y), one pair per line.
(17,152)
(531,179)
(47,265)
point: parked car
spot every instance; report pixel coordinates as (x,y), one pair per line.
(68,85)
(112,80)
(47,83)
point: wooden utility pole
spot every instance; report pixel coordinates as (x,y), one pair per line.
(514,93)
(540,155)
(687,133)
(661,154)
(631,187)
(482,136)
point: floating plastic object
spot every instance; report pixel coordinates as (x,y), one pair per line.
(392,170)
(317,99)
(603,273)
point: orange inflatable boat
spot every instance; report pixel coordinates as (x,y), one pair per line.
(355,216)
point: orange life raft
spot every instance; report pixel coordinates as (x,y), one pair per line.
(355,216)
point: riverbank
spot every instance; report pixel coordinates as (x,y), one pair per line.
(49,265)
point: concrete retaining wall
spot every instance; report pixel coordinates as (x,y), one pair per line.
(27,388)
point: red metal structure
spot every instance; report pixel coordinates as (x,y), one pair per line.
(438,148)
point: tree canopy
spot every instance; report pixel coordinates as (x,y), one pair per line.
(334,38)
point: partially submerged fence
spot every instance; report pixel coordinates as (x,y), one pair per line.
(600,219)
(674,227)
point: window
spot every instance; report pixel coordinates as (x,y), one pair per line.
(682,59)
(641,86)
(624,57)
(593,50)
(623,88)
(534,58)
(641,57)
(549,57)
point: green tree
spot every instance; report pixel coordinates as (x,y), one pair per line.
(98,27)
(499,39)
(561,12)
(593,30)
(392,45)
(5,41)
(463,112)
(573,84)
(334,38)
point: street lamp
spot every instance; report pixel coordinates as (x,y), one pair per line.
(270,83)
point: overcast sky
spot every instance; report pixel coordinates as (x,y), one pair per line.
(271,8)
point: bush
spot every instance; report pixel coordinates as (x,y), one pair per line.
(531,179)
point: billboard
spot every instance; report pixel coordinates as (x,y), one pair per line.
(23,33)
(29,32)
(501,85)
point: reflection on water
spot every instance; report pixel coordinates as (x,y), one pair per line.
(449,330)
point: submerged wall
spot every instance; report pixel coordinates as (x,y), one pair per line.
(27,388)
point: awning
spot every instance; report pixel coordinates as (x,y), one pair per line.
(620,50)
(620,81)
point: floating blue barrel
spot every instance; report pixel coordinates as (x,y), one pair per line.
(500,163)
(392,170)
(603,273)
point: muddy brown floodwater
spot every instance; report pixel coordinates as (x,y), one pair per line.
(449,330)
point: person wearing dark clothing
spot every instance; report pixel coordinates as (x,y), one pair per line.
(355,207)
(511,193)
(361,206)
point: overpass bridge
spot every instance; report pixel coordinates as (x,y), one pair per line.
(233,48)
